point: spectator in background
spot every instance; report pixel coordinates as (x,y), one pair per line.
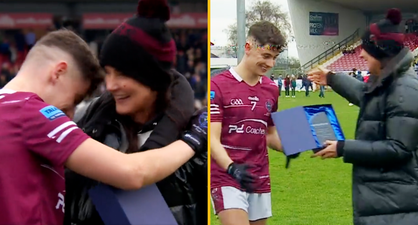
(287,86)
(366,78)
(14,69)
(18,47)
(303,82)
(321,91)
(353,72)
(191,60)
(6,72)
(359,76)
(280,84)
(3,80)
(293,86)
(201,70)
(349,50)
(94,47)
(20,42)
(306,84)
(5,50)
(30,39)
(199,88)
(181,61)
(311,85)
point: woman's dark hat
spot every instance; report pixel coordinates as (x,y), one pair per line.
(142,47)
(385,39)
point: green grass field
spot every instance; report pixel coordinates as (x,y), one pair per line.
(312,191)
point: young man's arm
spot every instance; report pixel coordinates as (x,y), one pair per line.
(132,171)
(127,171)
(218,152)
(273,139)
(48,133)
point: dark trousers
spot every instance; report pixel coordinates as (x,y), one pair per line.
(307,91)
(280,90)
(321,92)
(293,91)
(286,91)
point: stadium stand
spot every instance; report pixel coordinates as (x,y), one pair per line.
(349,60)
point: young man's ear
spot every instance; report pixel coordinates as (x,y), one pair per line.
(247,47)
(59,70)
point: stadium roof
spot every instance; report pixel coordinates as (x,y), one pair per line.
(378,5)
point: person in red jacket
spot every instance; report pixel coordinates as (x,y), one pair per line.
(287,86)
(366,78)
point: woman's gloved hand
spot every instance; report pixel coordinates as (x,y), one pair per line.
(196,135)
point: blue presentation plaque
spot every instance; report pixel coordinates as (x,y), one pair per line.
(145,206)
(306,128)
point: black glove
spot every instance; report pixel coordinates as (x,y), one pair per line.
(241,174)
(289,157)
(197,134)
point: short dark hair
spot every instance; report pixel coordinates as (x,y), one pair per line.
(265,32)
(84,58)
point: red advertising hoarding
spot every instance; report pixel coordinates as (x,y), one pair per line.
(25,20)
(112,20)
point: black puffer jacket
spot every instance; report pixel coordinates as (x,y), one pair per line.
(182,190)
(384,154)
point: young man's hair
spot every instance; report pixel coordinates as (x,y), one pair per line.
(266,33)
(86,62)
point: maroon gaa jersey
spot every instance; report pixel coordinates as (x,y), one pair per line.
(244,112)
(36,139)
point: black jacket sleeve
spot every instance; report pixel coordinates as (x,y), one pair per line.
(347,86)
(401,133)
(84,110)
(176,117)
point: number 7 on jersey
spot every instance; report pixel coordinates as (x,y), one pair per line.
(254,103)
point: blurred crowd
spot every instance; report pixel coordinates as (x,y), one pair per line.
(13,49)
(349,50)
(191,60)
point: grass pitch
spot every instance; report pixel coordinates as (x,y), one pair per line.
(312,191)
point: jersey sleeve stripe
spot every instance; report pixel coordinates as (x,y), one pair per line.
(60,128)
(214,108)
(64,134)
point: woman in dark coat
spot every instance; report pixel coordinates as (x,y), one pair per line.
(384,152)
(147,104)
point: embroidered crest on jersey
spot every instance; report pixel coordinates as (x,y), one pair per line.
(269,105)
(212,95)
(51,112)
(203,120)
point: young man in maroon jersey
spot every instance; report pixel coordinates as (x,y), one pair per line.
(38,139)
(242,99)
